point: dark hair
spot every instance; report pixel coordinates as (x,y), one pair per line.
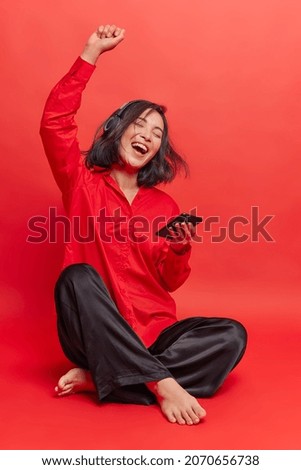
(104,151)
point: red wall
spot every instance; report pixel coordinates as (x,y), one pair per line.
(229,72)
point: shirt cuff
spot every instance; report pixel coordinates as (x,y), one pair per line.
(186,248)
(82,69)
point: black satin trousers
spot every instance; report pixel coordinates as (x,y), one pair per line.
(198,352)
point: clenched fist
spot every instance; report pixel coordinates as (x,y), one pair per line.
(105,38)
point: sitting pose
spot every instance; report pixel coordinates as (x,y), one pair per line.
(116,318)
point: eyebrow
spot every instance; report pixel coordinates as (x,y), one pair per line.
(156,127)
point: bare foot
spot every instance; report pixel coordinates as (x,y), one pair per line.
(76,380)
(176,404)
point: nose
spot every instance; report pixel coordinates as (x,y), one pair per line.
(146,134)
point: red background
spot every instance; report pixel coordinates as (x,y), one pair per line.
(229,73)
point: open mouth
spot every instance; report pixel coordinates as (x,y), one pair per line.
(140,148)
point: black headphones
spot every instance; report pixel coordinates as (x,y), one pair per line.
(114,120)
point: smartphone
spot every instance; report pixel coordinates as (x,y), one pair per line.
(184,217)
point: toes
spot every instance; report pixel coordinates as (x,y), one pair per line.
(198,409)
(199,412)
(174,416)
(62,383)
(187,417)
(179,417)
(195,419)
(170,416)
(193,414)
(182,415)
(66,391)
(63,387)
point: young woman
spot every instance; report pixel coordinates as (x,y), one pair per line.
(116,319)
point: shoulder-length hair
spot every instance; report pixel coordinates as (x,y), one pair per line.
(104,151)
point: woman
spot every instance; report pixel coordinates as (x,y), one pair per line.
(116,319)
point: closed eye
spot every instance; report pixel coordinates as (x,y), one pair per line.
(142,123)
(159,136)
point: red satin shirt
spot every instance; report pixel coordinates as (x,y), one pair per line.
(106,229)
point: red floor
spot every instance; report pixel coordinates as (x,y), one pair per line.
(257,408)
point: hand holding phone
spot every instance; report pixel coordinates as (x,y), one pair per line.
(183,217)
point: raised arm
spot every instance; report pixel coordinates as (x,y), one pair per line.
(58,127)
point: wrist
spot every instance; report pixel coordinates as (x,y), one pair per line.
(91,54)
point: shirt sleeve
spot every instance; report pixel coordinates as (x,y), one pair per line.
(173,268)
(58,128)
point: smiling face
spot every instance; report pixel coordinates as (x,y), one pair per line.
(141,140)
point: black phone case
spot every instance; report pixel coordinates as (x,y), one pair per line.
(184,217)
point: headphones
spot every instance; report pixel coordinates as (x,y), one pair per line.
(114,120)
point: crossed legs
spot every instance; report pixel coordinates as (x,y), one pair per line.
(189,359)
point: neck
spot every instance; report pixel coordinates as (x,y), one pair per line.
(125,179)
